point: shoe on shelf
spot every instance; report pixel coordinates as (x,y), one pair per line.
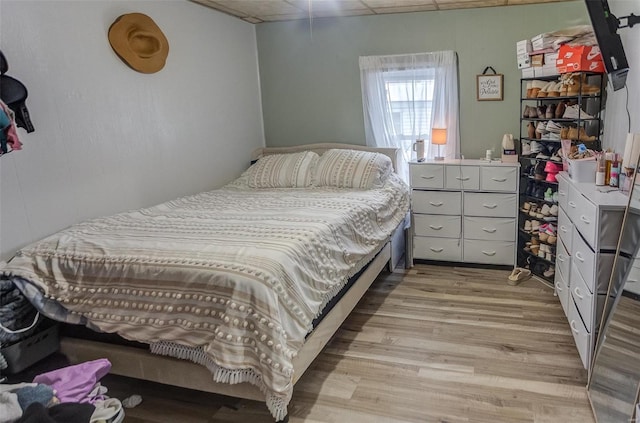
(542,127)
(518,275)
(535,227)
(527,226)
(555,89)
(553,127)
(550,272)
(560,109)
(575,112)
(531,130)
(545,211)
(535,249)
(551,239)
(579,134)
(542,156)
(525,112)
(526,148)
(544,91)
(553,211)
(551,111)
(555,197)
(541,111)
(548,195)
(536,86)
(536,146)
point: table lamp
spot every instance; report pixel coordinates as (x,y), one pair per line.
(439,137)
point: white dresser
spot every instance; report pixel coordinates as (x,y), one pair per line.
(464,211)
(589,223)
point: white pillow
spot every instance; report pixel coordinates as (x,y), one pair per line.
(352,169)
(283,170)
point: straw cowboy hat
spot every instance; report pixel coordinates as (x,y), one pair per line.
(139,42)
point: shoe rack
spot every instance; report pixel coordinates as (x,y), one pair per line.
(553,108)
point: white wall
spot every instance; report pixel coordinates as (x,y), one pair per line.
(108,138)
(616,118)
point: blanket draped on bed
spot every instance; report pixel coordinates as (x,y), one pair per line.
(230,278)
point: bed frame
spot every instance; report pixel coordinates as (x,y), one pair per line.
(140,364)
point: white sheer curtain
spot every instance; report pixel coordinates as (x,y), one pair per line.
(404,96)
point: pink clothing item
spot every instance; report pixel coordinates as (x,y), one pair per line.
(11,131)
(75,383)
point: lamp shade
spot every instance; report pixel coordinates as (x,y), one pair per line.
(631,151)
(439,136)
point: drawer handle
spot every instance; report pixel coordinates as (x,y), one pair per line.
(490,230)
(561,258)
(560,192)
(499,179)
(436,250)
(435,228)
(573,327)
(572,204)
(584,219)
(427,177)
(577,292)
(579,256)
(438,204)
(459,178)
(563,228)
(489,206)
(488,253)
(559,288)
(632,280)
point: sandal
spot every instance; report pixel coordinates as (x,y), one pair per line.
(518,275)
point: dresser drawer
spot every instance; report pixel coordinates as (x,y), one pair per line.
(489,252)
(462,177)
(498,178)
(563,261)
(583,299)
(585,260)
(429,248)
(437,225)
(563,192)
(436,202)
(565,229)
(490,205)
(581,337)
(562,291)
(490,228)
(427,176)
(584,215)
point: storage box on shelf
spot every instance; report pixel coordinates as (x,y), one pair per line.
(464,211)
(589,223)
(552,108)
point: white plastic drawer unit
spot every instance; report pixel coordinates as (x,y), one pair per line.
(462,177)
(489,252)
(489,228)
(437,202)
(565,229)
(562,290)
(442,226)
(490,205)
(429,176)
(563,260)
(498,178)
(563,192)
(584,215)
(581,337)
(430,248)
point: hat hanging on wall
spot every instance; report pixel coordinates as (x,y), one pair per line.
(139,42)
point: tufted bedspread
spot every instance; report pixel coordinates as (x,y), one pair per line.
(230,278)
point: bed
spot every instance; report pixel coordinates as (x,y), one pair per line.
(234,279)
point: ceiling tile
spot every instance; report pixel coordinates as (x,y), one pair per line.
(329,5)
(260,8)
(388,4)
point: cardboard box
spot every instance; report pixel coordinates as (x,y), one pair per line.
(524,61)
(579,58)
(537,60)
(528,73)
(523,47)
(541,41)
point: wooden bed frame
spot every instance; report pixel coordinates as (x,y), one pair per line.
(141,364)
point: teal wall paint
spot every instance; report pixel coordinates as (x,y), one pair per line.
(310,80)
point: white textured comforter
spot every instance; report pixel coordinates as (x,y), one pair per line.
(230,278)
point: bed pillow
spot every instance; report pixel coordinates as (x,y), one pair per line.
(352,169)
(283,170)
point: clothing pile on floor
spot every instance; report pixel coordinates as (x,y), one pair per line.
(71,394)
(18,318)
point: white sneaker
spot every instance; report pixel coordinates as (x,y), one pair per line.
(575,112)
(526,148)
(536,147)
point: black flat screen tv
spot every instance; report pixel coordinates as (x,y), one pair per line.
(605,26)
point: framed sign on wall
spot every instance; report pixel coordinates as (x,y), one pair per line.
(489,87)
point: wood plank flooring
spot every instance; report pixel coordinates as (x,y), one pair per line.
(431,344)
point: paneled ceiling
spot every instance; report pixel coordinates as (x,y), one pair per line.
(256,11)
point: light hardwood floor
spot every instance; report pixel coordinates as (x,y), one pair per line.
(432,344)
